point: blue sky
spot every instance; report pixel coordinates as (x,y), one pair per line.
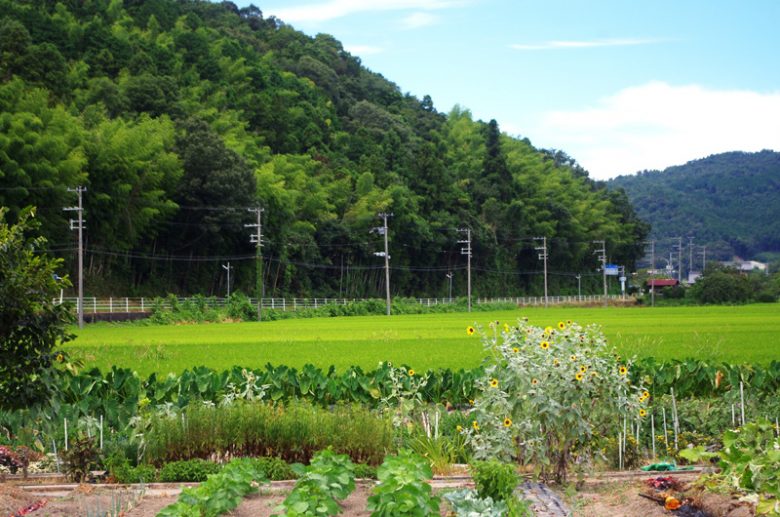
(620,85)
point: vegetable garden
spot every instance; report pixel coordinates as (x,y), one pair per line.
(556,401)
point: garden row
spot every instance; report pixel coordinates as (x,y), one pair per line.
(117,394)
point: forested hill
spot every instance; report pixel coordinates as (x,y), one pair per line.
(179,115)
(729,202)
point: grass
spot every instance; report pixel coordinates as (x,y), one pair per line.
(741,334)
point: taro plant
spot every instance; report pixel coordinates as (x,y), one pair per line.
(546,392)
(402,488)
(329,479)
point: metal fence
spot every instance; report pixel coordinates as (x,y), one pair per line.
(135,304)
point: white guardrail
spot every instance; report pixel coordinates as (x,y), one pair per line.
(135,304)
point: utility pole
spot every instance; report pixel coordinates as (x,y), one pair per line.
(450,274)
(652,272)
(78,224)
(386,254)
(579,287)
(467,251)
(703,254)
(679,248)
(257,240)
(227,268)
(690,257)
(602,256)
(543,256)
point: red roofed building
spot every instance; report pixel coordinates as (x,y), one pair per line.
(656,283)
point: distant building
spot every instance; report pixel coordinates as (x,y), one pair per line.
(747,265)
(660,283)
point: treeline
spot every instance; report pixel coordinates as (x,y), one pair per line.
(179,115)
(729,202)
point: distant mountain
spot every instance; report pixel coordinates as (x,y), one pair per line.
(729,202)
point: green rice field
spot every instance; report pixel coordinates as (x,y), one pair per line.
(741,334)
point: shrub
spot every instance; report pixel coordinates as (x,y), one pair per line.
(550,390)
(119,468)
(196,470)
(467,503)
(495,480)
(81,458)
(275,469)
(402,488)
(9,459)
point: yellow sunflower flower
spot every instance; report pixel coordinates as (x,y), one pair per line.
(646,394)
(534,382)
(470,331)
(642,413)
(459,428)
(411,373)
(515,350)
(506,328)
(494,383)
(561,325)
(568,322)
(556,362)
(623,370)
(573,357)
(475,425)
(507,422)
(583,369)
(548,330)
(544,345)
(579,377)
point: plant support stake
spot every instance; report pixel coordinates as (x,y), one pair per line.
(652,432)
(675,422)
(666,432)
(742,401)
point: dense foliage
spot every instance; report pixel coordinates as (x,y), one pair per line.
(31,325)
(729,201)
(177,116)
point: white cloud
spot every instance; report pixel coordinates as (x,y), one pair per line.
(569,44)
(657,125)
(418,20)
(363,50)
(332,9)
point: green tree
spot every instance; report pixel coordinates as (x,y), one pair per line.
(31,324)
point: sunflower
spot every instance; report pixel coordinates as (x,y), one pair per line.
(573,357)
(471,402)
(506,328)
(411,373)
(515,350)
(646,394)
(534,382)
(507,422)
(642,413)
(623,370)
(459,428)
(583,369)
(494,383)
(470,331)
(568,322)
(548,330)
(475,425)
(579,376)
(561,325)
(60,358)
(556,362)
(544,345)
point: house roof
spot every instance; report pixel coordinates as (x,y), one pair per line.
(661,282)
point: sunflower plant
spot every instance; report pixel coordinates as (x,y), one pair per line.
(546,392)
